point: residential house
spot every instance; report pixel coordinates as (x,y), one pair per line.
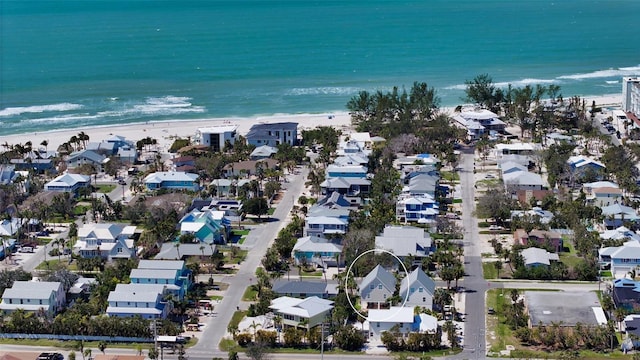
(127,154)
(626,294)
(68,183)
(304,288)
(173,180)
(621,259)
(247,168)
(306,313)
(263,152)
(223,187)
(39,166)
(377,287)
(588,188)
(7,174)
(9,227)
(404,241)
(479,122)
(120,142)
(159,276)
(605,196)
(534,257)
(316,250)
(102,148)
(346,171)
(535,213)
(169,251)
(351,187)
(582,167)
(418,289)
(631,329)
(87,157)
(620,233)
(381,320)
(557,138)
(542,238)
(422,209)
(325,225)
(217,137)
(208,226)
(34,296)
(273,134)
(352,159)
(522,180)
(186,163)
(525,196)
(418,183)
(137,302)
(106,240)
(334,200)
(519,148)
(616,215)
(355,142)
(166,290)
(509,167)
(182,276)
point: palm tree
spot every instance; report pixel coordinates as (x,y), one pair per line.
(177,246)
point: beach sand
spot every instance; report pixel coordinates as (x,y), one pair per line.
(166,131)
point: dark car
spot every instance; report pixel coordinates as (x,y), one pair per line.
(43,233)
(50,356)
(122,182)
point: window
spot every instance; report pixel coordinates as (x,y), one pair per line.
(380,286)
(401,325)
(413,290)
(120,250)
(420,290)
(371,286)
(377,324)
(424,299)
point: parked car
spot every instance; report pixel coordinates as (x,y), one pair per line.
(43,233)
(495,228)
(491,311)
(50,356)
(122,182)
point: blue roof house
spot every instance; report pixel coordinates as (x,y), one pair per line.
(420,208)
(581,165)
(172,180)
(165,272)
(210,226)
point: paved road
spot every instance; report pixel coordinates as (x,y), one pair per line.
(473,283)
(260,237)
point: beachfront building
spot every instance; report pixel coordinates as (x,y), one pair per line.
(172,180)
(479,122)
(108,241)
(631,95)
(87,157)
(68,183)
(34,296)
(273,134)
(217,137)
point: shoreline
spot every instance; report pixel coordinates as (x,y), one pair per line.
(164,131)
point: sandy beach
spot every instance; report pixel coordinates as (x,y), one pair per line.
(166,131)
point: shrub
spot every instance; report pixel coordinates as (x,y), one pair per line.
(268,338)
(244,339)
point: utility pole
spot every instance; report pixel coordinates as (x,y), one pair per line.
(322,340)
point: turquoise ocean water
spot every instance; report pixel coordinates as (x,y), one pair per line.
(66,64)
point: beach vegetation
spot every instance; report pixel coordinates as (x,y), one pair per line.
(178,144)
(395,112)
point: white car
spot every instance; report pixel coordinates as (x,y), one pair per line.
(495,228)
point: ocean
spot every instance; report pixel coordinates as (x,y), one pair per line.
(69,64)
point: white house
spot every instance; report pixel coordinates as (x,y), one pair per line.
(621,259)
(34,296)
(381,320)
(420,288)
(405,241)
(307,313)
(538,257)
(377,287)
(106,240)
(217,136)
(68,183)
(137,301)
(316,250)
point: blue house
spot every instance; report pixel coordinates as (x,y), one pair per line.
(420,208)
(316,250)
(209,226)
(172,180)
(165,272)
(581,166)
(273,134)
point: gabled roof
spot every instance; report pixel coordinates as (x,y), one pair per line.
(351,169)
(523,178)
(32,289)
(134,296)
(328,212)
(619,210)
(598,184)
(261,131)
(325,220)
(153,273)
(379,274)
(580,161)
(264,151)
(334,199)
(417,278)
(630,250)
(107,232)
(89,155)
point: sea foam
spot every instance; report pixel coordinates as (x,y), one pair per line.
(13,111)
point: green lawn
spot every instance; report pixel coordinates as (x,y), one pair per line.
(54,263)
(449,176)
(250,294)
(489,270)
(104,188)
(215,297)
(271,211)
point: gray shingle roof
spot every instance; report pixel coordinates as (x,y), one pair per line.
(380,273)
